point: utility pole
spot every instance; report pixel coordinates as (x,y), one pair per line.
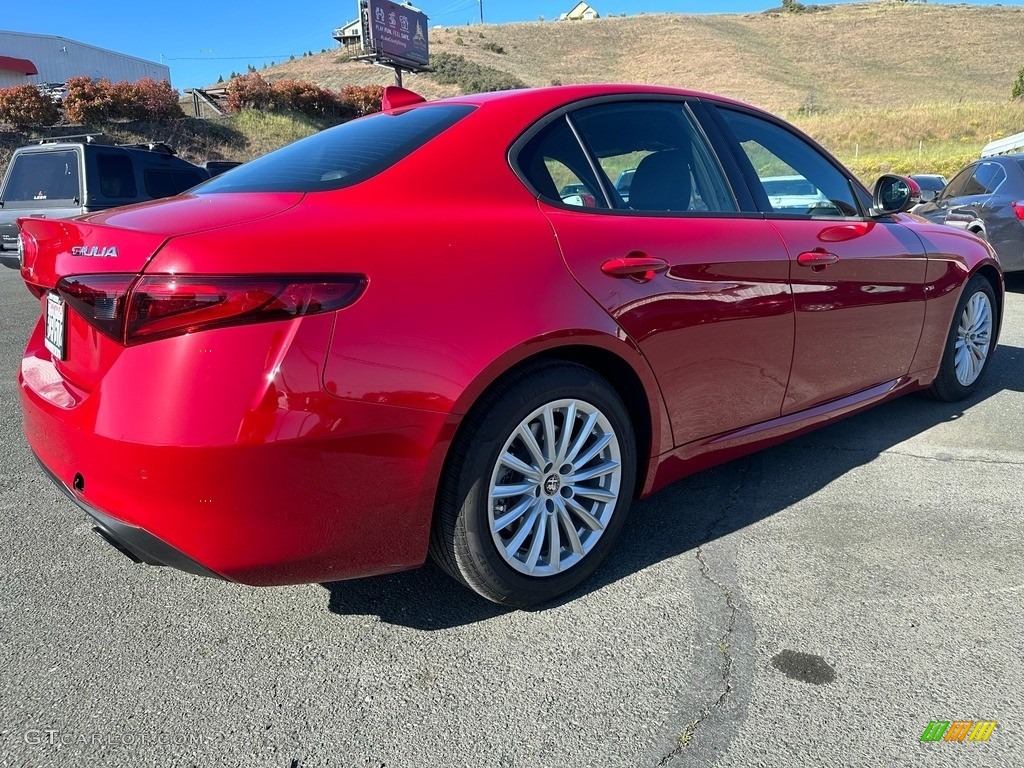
(481,4)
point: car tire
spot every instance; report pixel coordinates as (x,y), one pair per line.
(526,510)
(970,343)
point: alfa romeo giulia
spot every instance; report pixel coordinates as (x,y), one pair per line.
(397,338)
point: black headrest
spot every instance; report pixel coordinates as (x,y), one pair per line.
(662,182)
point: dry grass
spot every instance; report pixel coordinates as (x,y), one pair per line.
(901,86)
(865,55)
(860,55)
(921,138)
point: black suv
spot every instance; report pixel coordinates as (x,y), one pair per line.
(72,175)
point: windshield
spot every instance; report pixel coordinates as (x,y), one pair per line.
(341,156)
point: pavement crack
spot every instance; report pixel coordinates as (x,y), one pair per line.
(724,642)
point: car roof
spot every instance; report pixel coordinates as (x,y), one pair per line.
(552,97)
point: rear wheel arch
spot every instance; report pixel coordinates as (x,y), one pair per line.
(522,520)
(619,374)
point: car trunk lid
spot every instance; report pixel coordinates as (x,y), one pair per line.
(82,270)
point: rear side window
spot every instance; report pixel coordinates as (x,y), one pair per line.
(648,157)
(117,176)
(985,180)
(160,183)
(342,156)
(41,179)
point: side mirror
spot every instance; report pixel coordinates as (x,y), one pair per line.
(894,194)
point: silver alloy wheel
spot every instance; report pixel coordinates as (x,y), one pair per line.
(554,487)
(973,339)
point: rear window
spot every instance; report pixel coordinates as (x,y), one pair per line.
(342,156)
(41,179)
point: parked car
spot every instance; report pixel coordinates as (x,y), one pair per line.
(931,185)
(623,182)
(987,199)
(72,175)
(793,194)
(305,370)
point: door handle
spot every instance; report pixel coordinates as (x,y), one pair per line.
(636,265)
(818,259)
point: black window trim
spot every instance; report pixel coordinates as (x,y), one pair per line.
(567,109)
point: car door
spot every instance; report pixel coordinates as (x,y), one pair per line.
(700,286)
(858,282)
(966,201)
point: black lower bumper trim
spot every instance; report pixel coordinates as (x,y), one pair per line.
(137,543)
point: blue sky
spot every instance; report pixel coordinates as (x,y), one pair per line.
(200,40)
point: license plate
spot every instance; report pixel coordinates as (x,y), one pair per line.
(56,322)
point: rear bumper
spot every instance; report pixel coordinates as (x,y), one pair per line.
(135,542)
(257,479)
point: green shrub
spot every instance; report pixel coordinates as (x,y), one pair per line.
(1018,86)
(493,47)
(452,69)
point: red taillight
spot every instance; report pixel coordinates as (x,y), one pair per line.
(100,299)
(1018,208)
(131,309)
(166,305)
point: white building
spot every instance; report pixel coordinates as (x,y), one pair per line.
(33,59)
(581,12)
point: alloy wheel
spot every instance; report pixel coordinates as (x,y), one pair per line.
(973,339)
(554,487)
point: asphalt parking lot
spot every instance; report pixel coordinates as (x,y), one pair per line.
(815,604)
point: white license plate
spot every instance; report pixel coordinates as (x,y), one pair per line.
(56,322)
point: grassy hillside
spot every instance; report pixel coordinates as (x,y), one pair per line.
(875,54)
(885,86)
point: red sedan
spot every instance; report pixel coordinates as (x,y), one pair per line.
(396,337)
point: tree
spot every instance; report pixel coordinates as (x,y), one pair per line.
(1018,86)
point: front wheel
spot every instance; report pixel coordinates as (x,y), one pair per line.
(538,485)
(970,343)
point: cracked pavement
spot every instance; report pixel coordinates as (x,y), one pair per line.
(885,548)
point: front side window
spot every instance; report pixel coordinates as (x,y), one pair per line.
(43,179)
(793,177)
(958,184)
(342,156)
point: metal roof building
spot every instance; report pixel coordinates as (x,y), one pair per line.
(33,59)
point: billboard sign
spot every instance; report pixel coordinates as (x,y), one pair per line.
(397,33)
